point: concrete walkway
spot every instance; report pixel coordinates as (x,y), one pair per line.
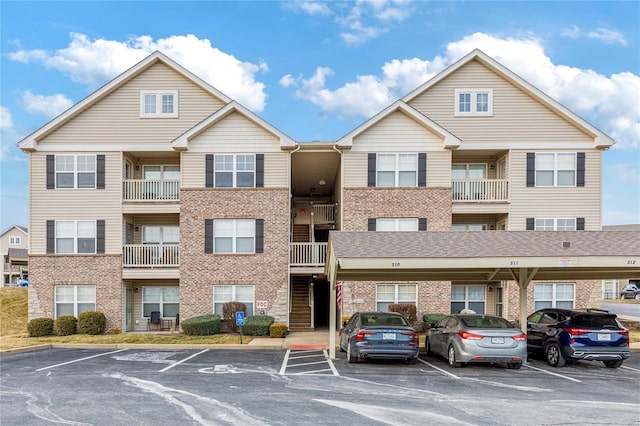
(295,340)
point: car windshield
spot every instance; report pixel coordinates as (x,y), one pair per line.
(485,322)
(597,321)
(373,320)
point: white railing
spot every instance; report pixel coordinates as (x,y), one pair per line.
(307,254)
(323,213)
(150,256)
(151,190)
(480,189)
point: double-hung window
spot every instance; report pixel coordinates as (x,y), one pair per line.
(555,224)
(387,294)
(473,102)
(158,104)
(468,227)
(75,171)
(75,236)
(233,293)
(14,241)
(556,169)
(74,299)
(468,297)
(401,224)
(165,300)
(553,295)
(235,171)
(234,235)
(397,170)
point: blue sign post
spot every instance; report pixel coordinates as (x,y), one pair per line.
(240,322)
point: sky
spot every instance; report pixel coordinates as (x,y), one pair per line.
(317,70)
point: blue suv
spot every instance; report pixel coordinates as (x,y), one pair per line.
(568,335)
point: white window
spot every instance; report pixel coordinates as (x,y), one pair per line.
(159,104)
(556,169)
(554,295)
(468,227)
(471,102)
(75,171)
(397,170)
(401,224)
(160,235)
(75,236)
(15,241)
(234,235)
(387,294)
(165,300)
(74,299)
(468,297)
(232,293)
(555,224)
(235,171)
(610,289)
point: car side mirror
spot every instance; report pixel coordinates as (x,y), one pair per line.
(344,323)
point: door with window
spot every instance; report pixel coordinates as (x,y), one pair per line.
(467,180)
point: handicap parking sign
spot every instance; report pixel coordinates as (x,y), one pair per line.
(239,318)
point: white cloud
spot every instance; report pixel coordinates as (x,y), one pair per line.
(604,35)
(49,106)
(308,7)
(629,173)
(94,62)
(6,123)
(287,81)
(8,137)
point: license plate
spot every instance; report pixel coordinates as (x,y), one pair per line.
(388,336)
(604,336)
(497,340)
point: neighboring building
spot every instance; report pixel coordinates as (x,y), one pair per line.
(15,259)
(611,288)
(159,193)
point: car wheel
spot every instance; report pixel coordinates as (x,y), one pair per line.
(412,361)
(554,355)
(514,365)
(451,357)
(350,357)
(614,363)
(427,347)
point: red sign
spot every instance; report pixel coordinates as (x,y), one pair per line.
(262,304)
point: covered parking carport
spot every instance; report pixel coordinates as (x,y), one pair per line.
(521,256)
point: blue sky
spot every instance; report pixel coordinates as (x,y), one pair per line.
(316,70)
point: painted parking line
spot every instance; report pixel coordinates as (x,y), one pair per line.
(629,368)
(80,359)
(168,367)
(551,373)
(298,355)
(440,370)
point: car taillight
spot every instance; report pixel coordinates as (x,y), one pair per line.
(469,336)
(413,334)
(625,334)
(361,336)
(576,331)
(520,337)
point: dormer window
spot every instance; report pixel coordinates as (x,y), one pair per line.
(474,102)
(162,104)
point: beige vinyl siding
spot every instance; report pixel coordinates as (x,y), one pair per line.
(235,134)
(115,120)
(397,133)
(555,202)
(517,117)
(75,204)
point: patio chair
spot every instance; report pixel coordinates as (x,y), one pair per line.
(154,318)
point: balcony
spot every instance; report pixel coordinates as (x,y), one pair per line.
(149,190)
(307,254)
(480,190)
(322,214)
(150,256)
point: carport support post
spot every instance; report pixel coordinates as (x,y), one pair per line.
(332,317)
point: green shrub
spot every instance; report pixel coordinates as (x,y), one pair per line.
(257,325)
(408,311)
(229,310)
(66,325)
(204,325)
(92,322)
(278,330)
(39,327)
(430,320)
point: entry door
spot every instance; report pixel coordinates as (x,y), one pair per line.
(129,309)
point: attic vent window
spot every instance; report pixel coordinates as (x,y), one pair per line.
(566,244)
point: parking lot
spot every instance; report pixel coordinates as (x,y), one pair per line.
(214,387)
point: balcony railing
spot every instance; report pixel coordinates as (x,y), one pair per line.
(323,213)
(307,254)
(151,190)
(479,190)
(150,256)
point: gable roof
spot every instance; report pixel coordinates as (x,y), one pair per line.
(30,142)
(450,140)
(181,143)
(18,227)
(601,139)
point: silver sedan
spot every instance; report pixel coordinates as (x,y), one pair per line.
(479,338)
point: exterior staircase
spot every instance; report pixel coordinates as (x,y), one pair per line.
(300,315)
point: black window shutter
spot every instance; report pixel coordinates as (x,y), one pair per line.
(259,170)
(422,169)
(259,235)
(51,236)
(51,171)
(208,235)
(531,169)
(580,223)
(100,236)
(208,174)
(422,224)
(100,172)
(371,173)
(531,224)
(371,224)
(580,169)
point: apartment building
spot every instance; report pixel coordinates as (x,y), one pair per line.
(159,193)
(15,258)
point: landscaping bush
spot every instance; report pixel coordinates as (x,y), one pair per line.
(408,311)
(92,322)
(229,310)
(430,320)
(66,325)
(278,330)
(39,327)
(204,325)
(257,325)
